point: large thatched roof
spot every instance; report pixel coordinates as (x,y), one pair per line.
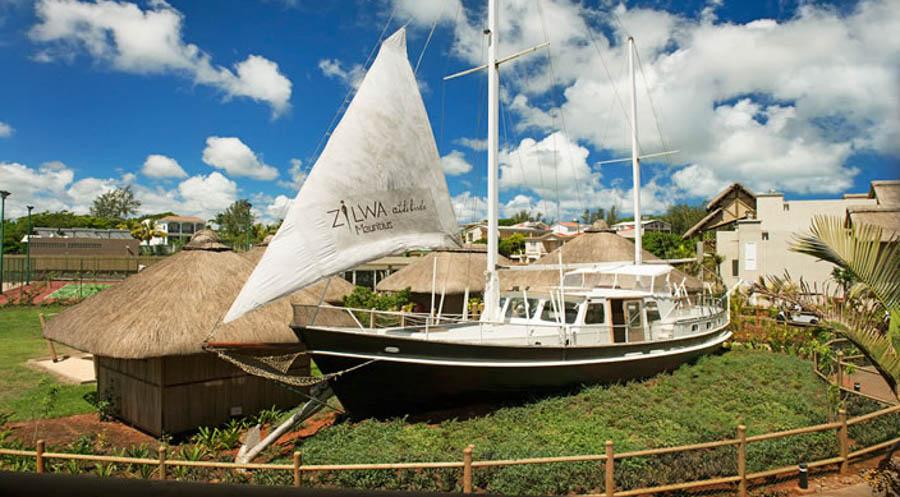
(586,248)
(172,308)
(457,269)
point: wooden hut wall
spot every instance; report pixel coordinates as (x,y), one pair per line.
(176,394)
(453,302)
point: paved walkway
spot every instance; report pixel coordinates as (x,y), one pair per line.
(77,369)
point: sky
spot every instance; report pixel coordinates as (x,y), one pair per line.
(198,104)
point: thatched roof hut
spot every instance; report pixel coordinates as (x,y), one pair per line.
(147,335)
(591,246)
(337,287)
(457,271)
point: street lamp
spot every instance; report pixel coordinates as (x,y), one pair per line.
(3,195)
(28,248)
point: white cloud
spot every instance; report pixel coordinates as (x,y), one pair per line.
(6,130)
(206,195)
(150,42)
(160,166)
(276,210)
(297,176)
(472,143)
(236,158)
(469,208)
(351,77)
(774,104)
(455,163)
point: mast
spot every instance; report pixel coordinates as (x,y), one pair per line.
(492,284)
(635,159)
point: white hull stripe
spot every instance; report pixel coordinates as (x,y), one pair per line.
(532,364)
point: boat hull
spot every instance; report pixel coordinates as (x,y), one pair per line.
(411,376)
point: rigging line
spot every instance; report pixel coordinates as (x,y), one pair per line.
(428,40)
(351,91)
(609,77)
(518,143)
(607,125)
(662,140)
(562,116)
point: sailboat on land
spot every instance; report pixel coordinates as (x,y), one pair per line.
(378,189)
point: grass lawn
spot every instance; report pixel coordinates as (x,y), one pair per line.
(74,290)
(24,391)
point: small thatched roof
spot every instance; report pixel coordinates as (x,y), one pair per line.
(456,270)
(173,307)
(206,240)
(598,226)
(586,248)
(885,217)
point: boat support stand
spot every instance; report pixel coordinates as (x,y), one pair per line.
(318,396)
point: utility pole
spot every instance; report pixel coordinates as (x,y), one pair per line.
(28,248)
(3,195)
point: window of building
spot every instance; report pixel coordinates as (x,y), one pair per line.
(594,313)
(734,267)
(765,235)
(786,207)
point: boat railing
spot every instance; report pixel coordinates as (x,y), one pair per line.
(532,332)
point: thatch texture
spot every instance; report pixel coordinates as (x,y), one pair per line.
(885,217)
(586,248)
(173,307)
(456,270)
(206,240)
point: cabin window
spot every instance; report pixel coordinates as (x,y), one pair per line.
(520,308)
(571,311)
(594,313)
(652,311)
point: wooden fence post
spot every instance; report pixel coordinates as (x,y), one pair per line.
(297,469)
(39,457)
(742,460)
(467,469)
(844,441)
(610,470)
(162,462)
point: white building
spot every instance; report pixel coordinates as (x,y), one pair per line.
(567,228)
(626,228)
(759,244)
(177,229)
(474,233)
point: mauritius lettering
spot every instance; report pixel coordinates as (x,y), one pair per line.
(369,217)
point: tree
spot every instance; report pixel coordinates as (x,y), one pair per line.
(235,222)
(144,230)
(612,216)
(115,204)
(16,229)
(590,216)
(513,244)
(667,245)
(683,217)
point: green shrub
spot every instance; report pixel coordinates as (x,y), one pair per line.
(697,403)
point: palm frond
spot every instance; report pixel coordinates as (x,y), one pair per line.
(860,249)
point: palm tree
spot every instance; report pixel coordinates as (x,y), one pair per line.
(144,230)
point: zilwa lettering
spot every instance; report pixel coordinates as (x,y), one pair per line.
(372,216)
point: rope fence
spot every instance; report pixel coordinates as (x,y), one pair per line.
(610,459)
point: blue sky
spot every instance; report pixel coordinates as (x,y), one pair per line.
(197,104)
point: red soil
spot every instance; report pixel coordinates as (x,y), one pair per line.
(62,431)
(39,291)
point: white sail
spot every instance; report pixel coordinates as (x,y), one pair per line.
(377,189)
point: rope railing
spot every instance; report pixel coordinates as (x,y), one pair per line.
(468,465)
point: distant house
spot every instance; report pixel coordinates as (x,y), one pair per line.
(82,242)
(884,214)
(568,228)
(539,246)
(732,204)
(178,230)
(474,233)
(757,244)
(626,228)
